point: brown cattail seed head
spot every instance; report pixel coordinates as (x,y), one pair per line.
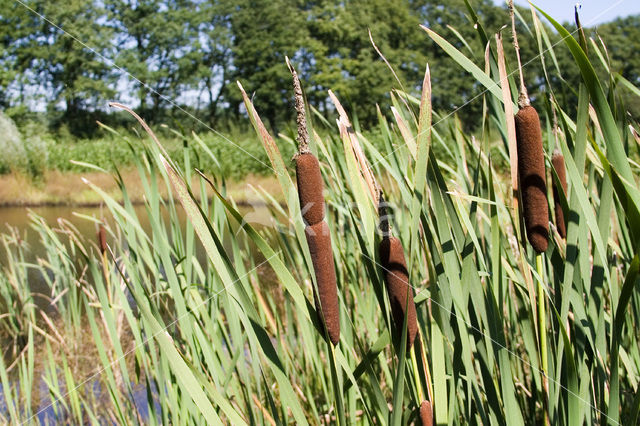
(400,294)
(558,164)
(102,239)
(319,240)
(532,178)
(426,413)
(310,188)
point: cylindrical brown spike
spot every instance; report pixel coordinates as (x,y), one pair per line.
(400,294)
(102,239)
(310,188)
(426,413)
(532,178)
(319,240)
(558,164)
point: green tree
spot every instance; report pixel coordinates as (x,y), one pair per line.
(155,40)
(329,42)
(453,87)
(48,53)
(621,37)
(345,60)
(9,28)
(214,44)
(264,32)
(192,52)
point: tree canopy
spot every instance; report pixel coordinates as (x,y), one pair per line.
(70,57)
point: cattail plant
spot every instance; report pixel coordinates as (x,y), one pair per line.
(310,188)
(535,207)
(391,256)
(426,413)
(390,250)
(392,262)
(319,241)
(396,277)
(531,174)
(558,164)
(102,239)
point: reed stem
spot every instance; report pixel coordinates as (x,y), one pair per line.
(414,363)
(523,98)
(542,324)
(340,414)
(425,365)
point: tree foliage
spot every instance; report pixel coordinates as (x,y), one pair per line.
(61,55)
(72,56)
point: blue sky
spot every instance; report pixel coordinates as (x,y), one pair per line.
(593,12)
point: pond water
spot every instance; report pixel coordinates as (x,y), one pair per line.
(20,219)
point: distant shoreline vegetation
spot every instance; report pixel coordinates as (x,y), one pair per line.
(32,153)
(190,68)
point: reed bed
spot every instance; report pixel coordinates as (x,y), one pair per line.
(213,320)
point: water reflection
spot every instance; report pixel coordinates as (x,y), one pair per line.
(20,219)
